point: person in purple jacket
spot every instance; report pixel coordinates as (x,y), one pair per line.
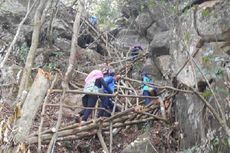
(135,51)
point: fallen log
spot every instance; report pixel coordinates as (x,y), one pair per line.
(32,102)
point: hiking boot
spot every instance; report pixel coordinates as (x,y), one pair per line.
(77,119)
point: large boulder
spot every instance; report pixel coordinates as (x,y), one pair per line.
(9,79)
(154,29)
(141,144)
(126,38)
(63,44)
(213,20)
(12,6)
(143,22)
(160,45)
(189,113)
(152,68)
(209,23)
(164,62)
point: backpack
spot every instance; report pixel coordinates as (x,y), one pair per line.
(91,87)
(90,81)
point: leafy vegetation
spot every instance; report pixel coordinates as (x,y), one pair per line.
(187,36)
(152,3)
(107,11)
(22,52)
(206,94)
(49,67)
(205,13)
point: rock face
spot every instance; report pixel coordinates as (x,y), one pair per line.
(200,27)
(141,144)
(9,78)
(143,22)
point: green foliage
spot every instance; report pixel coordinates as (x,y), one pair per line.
(223,91)
(206,94)
(58,54)
(211,67)
(205,13)
(207,59)
(218,145)
(173,8)
(49,66)
(229,141)
(162,2)
(107,12)
(190,150)
(187,36)
(22,52)
(215,142)
(152,3)
(146,127)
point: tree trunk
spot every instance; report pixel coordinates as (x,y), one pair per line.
(74,45)
(38,21)
(31,105)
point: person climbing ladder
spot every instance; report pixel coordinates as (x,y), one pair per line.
(93,83)
(106,103)
(147,89)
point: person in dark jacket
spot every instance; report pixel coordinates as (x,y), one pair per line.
(135,51)
(90,100)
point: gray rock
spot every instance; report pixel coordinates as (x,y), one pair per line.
(164,62)
(152,68)
(9,79)
(211,23)
(140,145)
(13,6)
(59,24)
(213,20)
(143,22)
(39,60)
(160,45)
(63,44)
(153,30)
(126,38)
(189,115)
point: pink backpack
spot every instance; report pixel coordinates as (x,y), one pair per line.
(92,76)
(90,81)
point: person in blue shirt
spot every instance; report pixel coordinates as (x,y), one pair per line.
(148,90)
(93,20)
(106,103)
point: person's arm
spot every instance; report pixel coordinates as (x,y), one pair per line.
(110,80)
(140,47)
(103,83)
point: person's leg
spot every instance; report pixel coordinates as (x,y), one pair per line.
(91,103)
(109,107)
(84,103)
(146,100)
(102,105)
